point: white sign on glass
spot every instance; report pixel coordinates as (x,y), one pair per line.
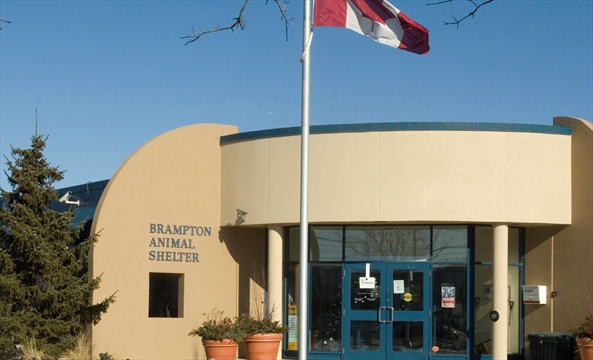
(367,282)
(398,287)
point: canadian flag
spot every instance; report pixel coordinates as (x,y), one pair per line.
(375,18)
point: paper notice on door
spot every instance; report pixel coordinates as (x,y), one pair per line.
(367,282)
(398,286)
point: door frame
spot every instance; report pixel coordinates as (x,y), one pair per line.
(382,316)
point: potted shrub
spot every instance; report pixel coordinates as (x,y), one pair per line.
(584,337)
(263,336)
(220,336)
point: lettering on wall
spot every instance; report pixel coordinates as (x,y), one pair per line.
(175,248)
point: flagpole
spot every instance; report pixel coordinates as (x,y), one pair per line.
(303,326)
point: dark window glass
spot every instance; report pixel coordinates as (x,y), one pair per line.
(326,243)
(364,299)
(449,243)
(408,336)
(294,240)
(326,307)
(165,295)
(449,299)
(408,290)
(365,335)
(391,243)
(292,276)
(484,244)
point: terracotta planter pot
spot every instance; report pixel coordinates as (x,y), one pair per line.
(585,348)
(220,349)
(262,346)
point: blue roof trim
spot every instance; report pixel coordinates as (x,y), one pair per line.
(398,126)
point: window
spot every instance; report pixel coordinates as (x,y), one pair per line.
(483,290)
(165,295)
(449,302)
(326,307)
(484,244)
(449,244)
(325,243)
(387,243)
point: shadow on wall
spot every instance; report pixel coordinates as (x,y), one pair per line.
(538,259)
(537,236)
(247,246)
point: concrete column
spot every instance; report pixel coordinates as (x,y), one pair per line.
(500,254)
(275,274)
(275,270)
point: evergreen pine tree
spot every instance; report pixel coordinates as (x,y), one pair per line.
(45,291)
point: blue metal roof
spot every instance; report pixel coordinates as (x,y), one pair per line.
(82,215)
(87,194)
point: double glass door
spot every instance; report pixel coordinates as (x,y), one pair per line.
(386,311)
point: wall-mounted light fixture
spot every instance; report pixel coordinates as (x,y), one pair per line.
(241,215)
(66,199)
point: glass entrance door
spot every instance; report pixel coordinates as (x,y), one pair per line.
(386,311)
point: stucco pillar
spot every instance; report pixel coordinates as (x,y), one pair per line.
(275,273)
(500,251)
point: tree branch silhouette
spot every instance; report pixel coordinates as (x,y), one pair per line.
(239,21)
(470,14)
(6,21)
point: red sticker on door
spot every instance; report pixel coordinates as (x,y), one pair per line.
(435,348)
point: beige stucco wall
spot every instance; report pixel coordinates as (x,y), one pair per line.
(184,177)
(402,176)
(174,179)
(561,257)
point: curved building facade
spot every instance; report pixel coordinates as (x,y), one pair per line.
(418,232)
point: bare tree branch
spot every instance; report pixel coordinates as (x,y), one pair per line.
(470,14)
(284,16)
(240,22)
(6,21)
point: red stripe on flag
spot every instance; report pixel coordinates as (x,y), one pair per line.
(330,13)
(415,37)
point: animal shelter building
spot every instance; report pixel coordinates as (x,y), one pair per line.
(427,240)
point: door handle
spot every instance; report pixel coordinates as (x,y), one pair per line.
(379,314)
(390,309)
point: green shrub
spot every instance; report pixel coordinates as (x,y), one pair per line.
(251,325)
(219,327)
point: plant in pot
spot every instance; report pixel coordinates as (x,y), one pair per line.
(263,336)
(220,336)
(584,337)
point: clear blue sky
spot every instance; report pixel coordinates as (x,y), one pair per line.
(108,76)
